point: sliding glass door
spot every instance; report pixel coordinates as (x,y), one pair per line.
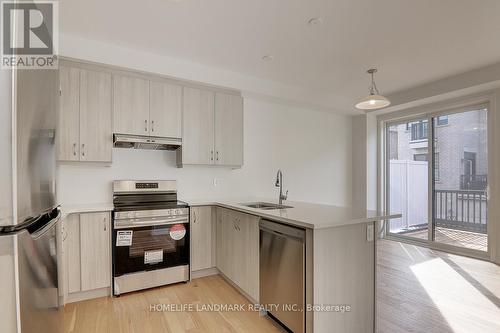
(407,174)
(460,179)
(437,176)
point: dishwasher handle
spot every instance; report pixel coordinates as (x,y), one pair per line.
(282,230)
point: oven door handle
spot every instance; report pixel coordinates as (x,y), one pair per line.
(122,224)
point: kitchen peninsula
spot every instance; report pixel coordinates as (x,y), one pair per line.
(339,255)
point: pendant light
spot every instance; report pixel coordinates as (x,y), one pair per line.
(374,101)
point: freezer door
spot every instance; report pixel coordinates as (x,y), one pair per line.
(38,279)
(36,98)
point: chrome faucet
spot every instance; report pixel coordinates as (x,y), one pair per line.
(279,183)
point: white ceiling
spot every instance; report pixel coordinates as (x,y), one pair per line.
(410,42)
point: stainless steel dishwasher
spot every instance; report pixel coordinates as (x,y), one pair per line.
(282,273)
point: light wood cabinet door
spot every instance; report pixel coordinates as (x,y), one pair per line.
(225,242)
(198,126)
(238,249)
(96,133)
(238,255)
(95,250)
(220,246)
(130,105)
(230,244)
(165,109)
(252,266)
(68,131)
(71,245)
(228,130)
(201,237)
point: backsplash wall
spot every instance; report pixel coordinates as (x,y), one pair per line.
(312,148)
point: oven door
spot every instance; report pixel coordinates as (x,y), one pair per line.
(142,245)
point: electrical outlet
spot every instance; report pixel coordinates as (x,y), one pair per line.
(370,232)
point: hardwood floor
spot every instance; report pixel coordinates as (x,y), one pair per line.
(131,313)
(418,290)
(421,290)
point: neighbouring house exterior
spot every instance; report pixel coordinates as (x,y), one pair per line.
(460,160)
(460,171)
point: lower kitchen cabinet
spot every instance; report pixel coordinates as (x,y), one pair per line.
(220,247)
(238,249)
(87,252)
(202,238)
(95,248)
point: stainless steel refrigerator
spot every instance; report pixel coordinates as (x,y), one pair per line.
(29,213)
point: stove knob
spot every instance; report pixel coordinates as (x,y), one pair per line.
(168,212)
(178,211)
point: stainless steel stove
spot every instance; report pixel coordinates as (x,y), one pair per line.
(150,235)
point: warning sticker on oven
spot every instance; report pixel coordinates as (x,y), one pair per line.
(177,231)
(153,257)
(124,238)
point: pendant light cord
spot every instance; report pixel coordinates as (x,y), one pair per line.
(373,88)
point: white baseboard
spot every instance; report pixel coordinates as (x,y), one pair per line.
(204,272)
(85,295)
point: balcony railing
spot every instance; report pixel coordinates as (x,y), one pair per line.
(461,209)
(473,182)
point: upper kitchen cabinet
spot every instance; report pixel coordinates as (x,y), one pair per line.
(96,140)
(130,105)
(147,107)
(198,127)
(165,109)
(228,129)
(68,129)
(212,128)
(85,118)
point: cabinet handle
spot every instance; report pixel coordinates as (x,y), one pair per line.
(152,125)
(104,222)
(194,216)
(217,156)
(74,149)
(211,155)
(64,233)
(145,125)
(83,149)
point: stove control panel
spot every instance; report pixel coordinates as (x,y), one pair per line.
(146,185)
(173,212)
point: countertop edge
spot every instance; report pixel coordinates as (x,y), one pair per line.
(106,207)
(85,208)
(303,224)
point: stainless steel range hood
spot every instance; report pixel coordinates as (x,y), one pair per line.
(145,142)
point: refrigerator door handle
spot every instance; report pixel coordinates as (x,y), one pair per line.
(39,233)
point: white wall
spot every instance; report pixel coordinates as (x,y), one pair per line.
(364,168)
(313,149)
(108,53)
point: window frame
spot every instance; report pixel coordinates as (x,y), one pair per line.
(432,110)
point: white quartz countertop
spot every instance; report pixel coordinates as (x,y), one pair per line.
(85,208)
(303,214)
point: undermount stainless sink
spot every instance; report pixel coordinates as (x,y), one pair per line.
(265,205)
